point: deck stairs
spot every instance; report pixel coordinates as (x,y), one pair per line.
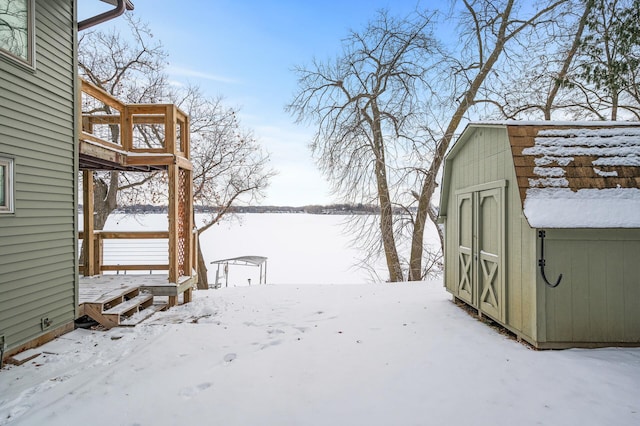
(125,306)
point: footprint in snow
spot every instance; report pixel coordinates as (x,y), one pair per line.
(203,386)
(272,343)
(17,411)
(60,378)
(190,392)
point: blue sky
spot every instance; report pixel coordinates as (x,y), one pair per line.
(245,51)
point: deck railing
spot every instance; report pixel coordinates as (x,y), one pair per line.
(132,128)
(138,251)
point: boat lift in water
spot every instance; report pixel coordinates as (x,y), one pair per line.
(257,261)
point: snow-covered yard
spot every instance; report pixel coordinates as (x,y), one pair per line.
(375,354)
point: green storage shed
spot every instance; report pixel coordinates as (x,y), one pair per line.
(542,229)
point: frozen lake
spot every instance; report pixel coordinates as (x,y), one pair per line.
(301,248)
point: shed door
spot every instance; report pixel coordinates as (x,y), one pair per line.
(490,232)
(480,238)
(465,282)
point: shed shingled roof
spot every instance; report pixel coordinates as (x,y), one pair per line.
(575,157)
(569,174)
(578,174)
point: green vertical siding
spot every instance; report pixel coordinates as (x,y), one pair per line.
(485,157)
(598,300)
(38,275)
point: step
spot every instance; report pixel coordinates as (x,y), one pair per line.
(137,318)
(110,299)
(131,306)
(118,297)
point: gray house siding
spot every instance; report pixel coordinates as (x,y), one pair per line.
(38,267)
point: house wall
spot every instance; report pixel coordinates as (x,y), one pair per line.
(486,157)
(38,267)
(598,299)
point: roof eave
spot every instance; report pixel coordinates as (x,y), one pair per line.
(120,7)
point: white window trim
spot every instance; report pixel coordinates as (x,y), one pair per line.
(8,183)
(30,62)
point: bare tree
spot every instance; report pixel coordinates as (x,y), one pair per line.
(610,56)
(536,85)
(388,108)
(229,166)
(366,104)
(130,69)
(584,67)
(488,28)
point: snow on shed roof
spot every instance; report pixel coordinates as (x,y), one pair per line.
(578,175)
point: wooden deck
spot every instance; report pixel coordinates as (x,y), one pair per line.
(116,300)
(110,139)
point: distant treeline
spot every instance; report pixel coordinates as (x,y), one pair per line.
(310,209)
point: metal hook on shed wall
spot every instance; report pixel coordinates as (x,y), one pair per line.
(542,261)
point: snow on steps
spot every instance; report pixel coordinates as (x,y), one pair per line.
(126,306)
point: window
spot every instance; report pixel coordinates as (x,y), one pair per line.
(17,30)
(6,185)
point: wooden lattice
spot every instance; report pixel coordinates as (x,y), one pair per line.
(183,233)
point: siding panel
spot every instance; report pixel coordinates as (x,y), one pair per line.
(486,157)
(599,291)
(24,277)
(631,280)
(38,276)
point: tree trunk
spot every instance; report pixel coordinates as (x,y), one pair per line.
(433,215)
(105,200)
(562,74)
(203,278)
(429,185)
(415,261)
(386,209)
(386,228)
(417,239)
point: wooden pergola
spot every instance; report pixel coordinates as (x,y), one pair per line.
(102,117)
